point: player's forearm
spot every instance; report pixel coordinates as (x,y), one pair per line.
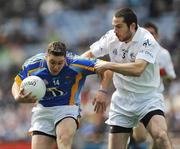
(106,80)
(88,54)
(15,90)
(128,69)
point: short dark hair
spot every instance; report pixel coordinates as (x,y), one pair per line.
(128,15)
(57,48)
(150,24)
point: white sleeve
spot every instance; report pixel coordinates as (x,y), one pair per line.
(148,50)
(168,65)
(100,47)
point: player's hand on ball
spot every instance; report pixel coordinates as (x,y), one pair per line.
(33,87)
(25,97)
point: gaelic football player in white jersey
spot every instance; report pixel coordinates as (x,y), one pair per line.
(133,54)
(164,58)
(166,72)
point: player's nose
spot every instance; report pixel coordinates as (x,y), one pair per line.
(57,67)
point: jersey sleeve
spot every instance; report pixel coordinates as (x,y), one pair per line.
(30,65)
(168,65)
(84,65)
(100,47)
(21,75)
(149,49)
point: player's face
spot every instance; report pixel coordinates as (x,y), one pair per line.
(123,33)
(153,32)
(55,63)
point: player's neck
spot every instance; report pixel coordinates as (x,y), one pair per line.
(130,38)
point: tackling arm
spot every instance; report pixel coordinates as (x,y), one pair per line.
(129,69)
(88,54)
(100,99)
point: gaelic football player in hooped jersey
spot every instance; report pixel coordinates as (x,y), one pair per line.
(133,54)
(55,118)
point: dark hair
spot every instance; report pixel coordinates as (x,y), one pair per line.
(149,24)
(57,48)
(128,15)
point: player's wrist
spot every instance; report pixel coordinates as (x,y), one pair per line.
(103,91)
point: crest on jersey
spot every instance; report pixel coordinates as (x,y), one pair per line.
(115,51)
(101,49)
(68,78)
(132,57)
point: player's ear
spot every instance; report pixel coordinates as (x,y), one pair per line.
(156,36)
(46,55)
(132,27)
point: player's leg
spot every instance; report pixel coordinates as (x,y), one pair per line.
(140,133)
(42,141)
(65,131)
(42,128)
(118,137)
(156,124)
(138,137)
(120,120)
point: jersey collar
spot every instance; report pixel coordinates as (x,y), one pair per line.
(137,34)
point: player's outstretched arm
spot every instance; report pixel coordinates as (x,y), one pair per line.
(129,69)
(88,54)
(101,98)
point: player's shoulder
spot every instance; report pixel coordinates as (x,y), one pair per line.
(36,59)
(147,35)
(109,35)
(164,52)
(146,39)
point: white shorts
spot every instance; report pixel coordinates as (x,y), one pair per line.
(127,108)
(44,119)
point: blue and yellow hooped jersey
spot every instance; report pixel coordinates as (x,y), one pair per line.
(64,88)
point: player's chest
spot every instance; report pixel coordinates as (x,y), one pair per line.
(123,53)
(63,80)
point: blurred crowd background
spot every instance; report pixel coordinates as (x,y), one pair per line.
(27,26)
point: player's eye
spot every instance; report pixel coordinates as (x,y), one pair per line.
(60,63)
(52,63)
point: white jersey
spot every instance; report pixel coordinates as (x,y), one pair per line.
(165,62)
(142,46)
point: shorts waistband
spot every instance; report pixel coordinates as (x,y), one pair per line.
(126,93)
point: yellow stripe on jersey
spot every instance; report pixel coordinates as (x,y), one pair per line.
(33,70)
(18,80)
(84,67)
(75,88)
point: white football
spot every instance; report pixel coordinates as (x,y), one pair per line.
(35,85)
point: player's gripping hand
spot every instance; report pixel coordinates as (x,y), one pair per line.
(101,66)
(25,97)
(100,101)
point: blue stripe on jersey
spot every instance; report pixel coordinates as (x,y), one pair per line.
(64,88)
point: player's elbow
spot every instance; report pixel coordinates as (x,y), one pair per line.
(88,54)
(13,91)
(139,67)
(138,72)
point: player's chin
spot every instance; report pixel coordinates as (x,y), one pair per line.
(54,73)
